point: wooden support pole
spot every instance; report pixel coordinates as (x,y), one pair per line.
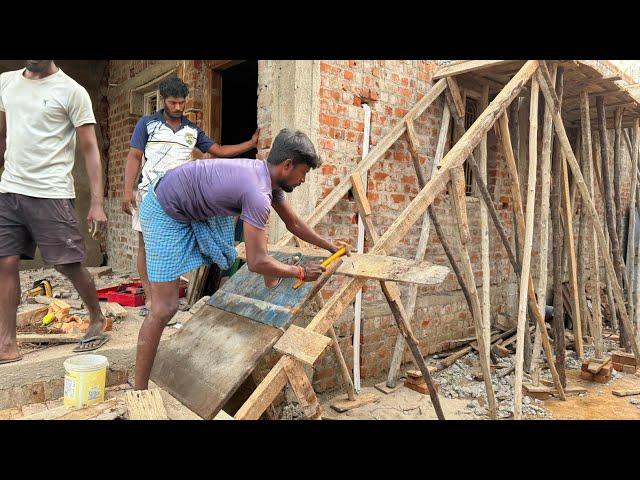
(631,249)
(558,244)
(588,241)
(552,101)
(619,214)
(484,232)
(421,250)
(344,370)
(526,254)
(545,177)
(618,264)
(595,169)
(302,388)
(567,215)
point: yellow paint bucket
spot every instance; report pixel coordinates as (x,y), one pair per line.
(84,380)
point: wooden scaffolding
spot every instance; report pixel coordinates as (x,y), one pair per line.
(564,89)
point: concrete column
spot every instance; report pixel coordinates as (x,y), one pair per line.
(294,86)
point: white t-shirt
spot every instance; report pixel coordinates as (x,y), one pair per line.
(42,116)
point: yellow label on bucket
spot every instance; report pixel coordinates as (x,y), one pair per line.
(84,380)
(84,388)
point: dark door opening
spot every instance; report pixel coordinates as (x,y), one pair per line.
(239,104)
(234,115)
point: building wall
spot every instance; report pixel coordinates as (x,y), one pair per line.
(336,90)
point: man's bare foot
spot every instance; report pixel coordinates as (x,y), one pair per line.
(10,353)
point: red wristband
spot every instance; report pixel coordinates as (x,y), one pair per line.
(300,273)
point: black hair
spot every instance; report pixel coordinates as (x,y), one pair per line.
(173,87)
(294,145)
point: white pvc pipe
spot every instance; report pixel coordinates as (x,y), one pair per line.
(360,249)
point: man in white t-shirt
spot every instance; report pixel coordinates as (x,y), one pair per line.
(42,113)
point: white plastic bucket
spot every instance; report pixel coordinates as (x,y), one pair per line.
(84,380)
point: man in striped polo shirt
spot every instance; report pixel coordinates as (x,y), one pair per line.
(167,140)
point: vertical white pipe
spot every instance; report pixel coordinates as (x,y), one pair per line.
(360,249)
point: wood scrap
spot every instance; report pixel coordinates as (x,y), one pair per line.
(145,405)
(626,393)
(343,404)
(31,316)
(76,304)
(49,338)
(109,409)
(96,272)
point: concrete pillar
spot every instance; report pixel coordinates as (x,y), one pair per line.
(294,86)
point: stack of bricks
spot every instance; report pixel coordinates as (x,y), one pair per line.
(596,370)
(624,362)
(415,381)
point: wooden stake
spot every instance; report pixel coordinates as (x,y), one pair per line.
(398,351)
(484,233)
(302,388)
(552,101)
(558,245)
(631,250)
(619,214)
(545,177)
(567,216)
(526,255)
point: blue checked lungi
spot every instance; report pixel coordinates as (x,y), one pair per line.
(174,248)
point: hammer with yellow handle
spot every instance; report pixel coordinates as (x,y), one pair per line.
(333,257)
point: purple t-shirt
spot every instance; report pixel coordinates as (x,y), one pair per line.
(219,187)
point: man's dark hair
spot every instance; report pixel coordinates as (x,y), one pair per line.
(173,87)
(294,145)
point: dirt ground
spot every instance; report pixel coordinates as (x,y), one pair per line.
(598,403)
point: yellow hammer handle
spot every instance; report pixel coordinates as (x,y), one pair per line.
(326,263)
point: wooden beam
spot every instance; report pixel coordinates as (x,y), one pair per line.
(465,66)
(303,345)
(631,250)
(567,215)
(484,232)
(47,338)
(587,247)
(558,245)
(302,388)
(374,267)
(145,405)
(617,158)
(523,328)
(374,155)
(421,250)
(545,180)
(458,196)
(454,90)
(346,376)
(591,209)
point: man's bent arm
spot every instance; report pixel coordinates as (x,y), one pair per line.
(258,260)
(3,137)
(226,151)
(299,228)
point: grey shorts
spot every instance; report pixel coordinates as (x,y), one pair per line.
(48,223)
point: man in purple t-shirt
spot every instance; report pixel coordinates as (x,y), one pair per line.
(186,222)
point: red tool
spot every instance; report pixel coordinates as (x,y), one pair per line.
(129,294)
